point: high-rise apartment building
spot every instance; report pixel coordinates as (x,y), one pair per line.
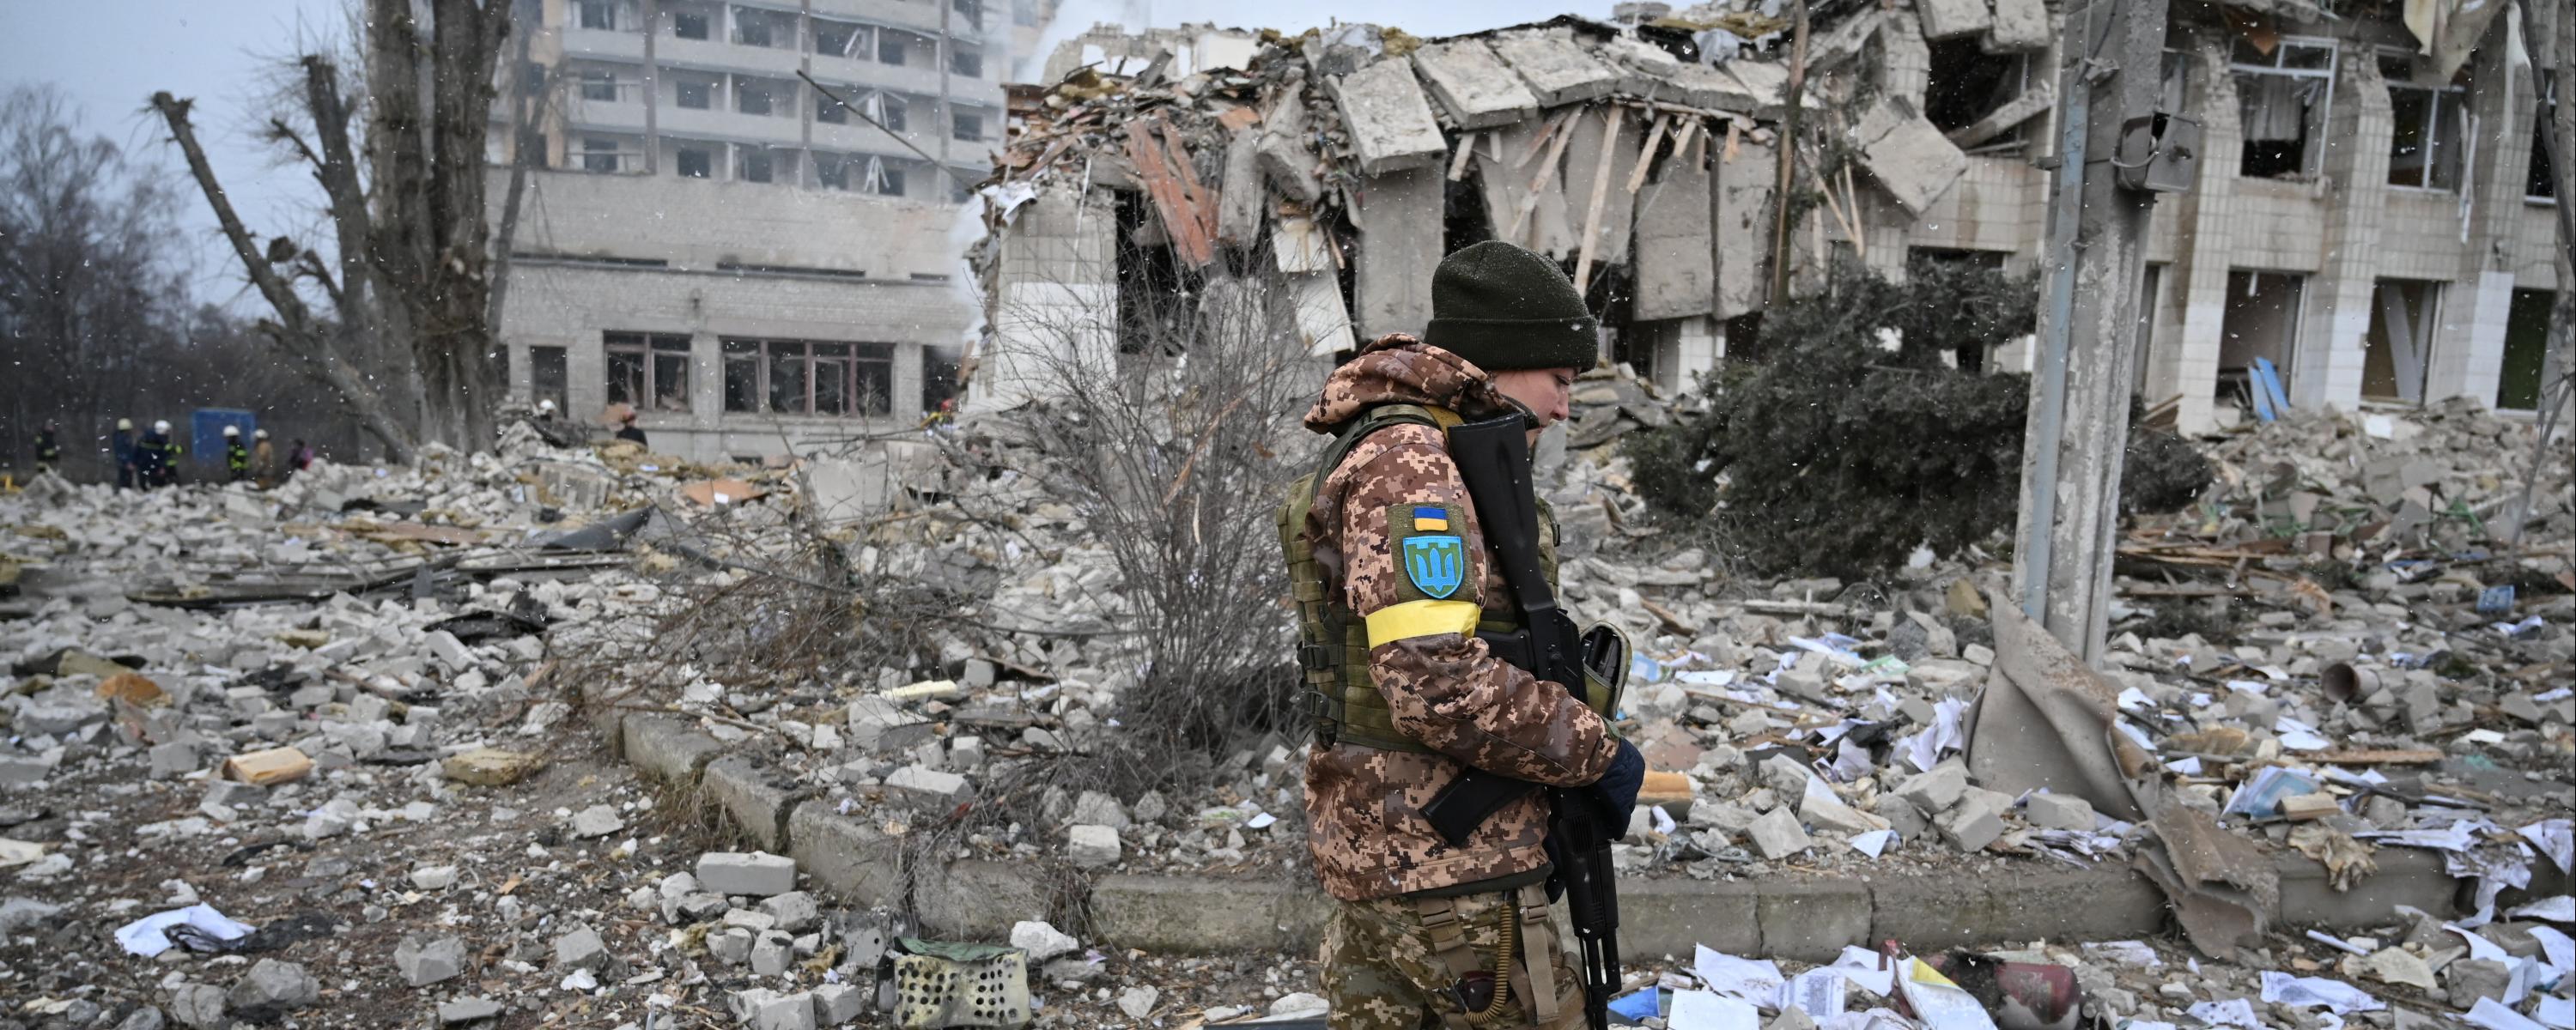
(749,260)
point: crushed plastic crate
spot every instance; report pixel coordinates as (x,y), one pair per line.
(940,984)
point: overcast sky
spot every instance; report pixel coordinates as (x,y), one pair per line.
(107,56)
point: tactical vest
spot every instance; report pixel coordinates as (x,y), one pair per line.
(1340,697)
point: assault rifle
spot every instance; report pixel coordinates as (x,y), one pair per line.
(1493,457)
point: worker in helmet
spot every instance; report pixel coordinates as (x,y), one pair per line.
(546,412)
(49,448)
(121,446)
(263,458)
(156,459)
(236,456)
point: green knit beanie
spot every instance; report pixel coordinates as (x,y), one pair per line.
(1504,307)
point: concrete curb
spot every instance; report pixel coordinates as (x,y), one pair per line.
(1797,917)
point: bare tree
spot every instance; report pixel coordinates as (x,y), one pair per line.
(411,278)
(85,286)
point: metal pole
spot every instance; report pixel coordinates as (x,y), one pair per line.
(2056,328)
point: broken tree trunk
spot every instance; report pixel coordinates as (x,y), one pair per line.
(317,354)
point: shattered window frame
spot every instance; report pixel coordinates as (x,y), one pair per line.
(830,111)
(2319,114)
(550,375)
(599,155)
(967,62)
(767,377)
(691,25)
(890,48)
(755,163)
(966,125)
(651,368)
(2007,86)
(857,45)
(2540,174)
(754,95)
(831,171)
(2421,156)
(596,15)
(681,159)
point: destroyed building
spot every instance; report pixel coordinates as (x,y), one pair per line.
(748,260)
(2369,213)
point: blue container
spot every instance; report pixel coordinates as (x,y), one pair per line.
(206,432)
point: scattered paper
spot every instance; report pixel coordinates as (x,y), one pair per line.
(2458,836)
(2558,1013)
(1703,1010)
(2232,1012)
(2560,909)
(1819,993)
(2493,1016)
(2261,797)
(1862,967)
(2135,953)
(2185,766)
(2555,839)
(147,937)
(1742,978)
(2479,946)
(2299,736)
(2556,949)
(1872,842)
(2313,992)
(1940,1004)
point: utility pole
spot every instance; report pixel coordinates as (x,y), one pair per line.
(2111,56)
(1788,180)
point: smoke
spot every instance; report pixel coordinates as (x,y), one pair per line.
(1075,17)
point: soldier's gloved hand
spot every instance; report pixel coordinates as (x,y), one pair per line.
(1616,790)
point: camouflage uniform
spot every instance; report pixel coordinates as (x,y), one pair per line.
(1372,846)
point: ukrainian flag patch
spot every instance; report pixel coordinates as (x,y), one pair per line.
(1430,519)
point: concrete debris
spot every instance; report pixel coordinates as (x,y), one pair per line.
(597,821)
(424,961)
(756,874)
(1092,847)
(272,986)
(1042,941)
(1389,119)
(468,1010)
(1906,153)
(1475,87)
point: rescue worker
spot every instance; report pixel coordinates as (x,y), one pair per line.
(121,446)
(263,458)
(546,412)
(1424,931)
(156,459)
(49,448)
(236,456)
(299,457)
(628,430)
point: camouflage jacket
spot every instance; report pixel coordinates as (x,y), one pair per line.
(1363,805)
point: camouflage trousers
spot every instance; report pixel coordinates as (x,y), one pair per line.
(1383,969)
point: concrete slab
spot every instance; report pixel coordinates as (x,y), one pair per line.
(1504,182)
(1206,915)
(1676,272)
(759,806)
(1930,913)
(1951,19)
(847,857)
(1559,71)
(1767,82)
(1812,921)
(1389,119)
(1400,222)
(1583,164)
(980,900)
(2020,26)
(1287,163)
(1668,917)
(1475,87)
(1240,200)
(667,749)
(1908,156)
(1323,322)
(2406,876)
(1740,227)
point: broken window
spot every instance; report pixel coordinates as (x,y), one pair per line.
(2541,183)
(884,180)
(888,110)
(598,14)
(841,39)
(890,47)
(2283,98)
(970,11)
(696,162)
(599,85)
(2261,322)
(598,154)
(755,96)
(648,370)
(966,62)
(756,165)
(547,380)
(830,111)
(2526,347)
(753,26)
(2400,344)
(831,171)
(694,94)
(2429,125)
(1967,84)
(687,25)
(966,126)
(809,377)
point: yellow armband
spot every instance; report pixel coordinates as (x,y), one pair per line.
(1422,619)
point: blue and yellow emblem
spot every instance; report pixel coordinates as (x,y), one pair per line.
(1434,559)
